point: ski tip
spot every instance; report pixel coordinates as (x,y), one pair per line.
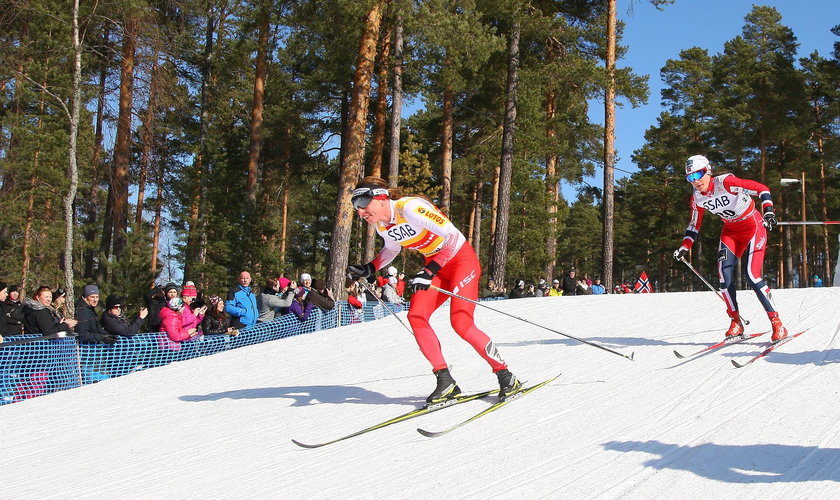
(736,364)
(632,356)
(428,434)
(678,354)
(304,445)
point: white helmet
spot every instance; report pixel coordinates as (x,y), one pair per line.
(697,162)
(392,271)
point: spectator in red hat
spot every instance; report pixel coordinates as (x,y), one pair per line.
(193,313)
(276,295)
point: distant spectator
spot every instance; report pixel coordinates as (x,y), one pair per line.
(519,290)
(401,285)
(11,302)
(556,290)
(389,290)
(59,304)
(277,295)
(319,296)
(583,288)
(491,290)
(38,317)
(88,328)
(193,311)
(570,283)
(817,281)
(217,321)
(598,288)
(541,290)
(8,326)
(241,303)
(155,299)
(115,322)
(170,291)
(306,281)
(299,308)
(172,322)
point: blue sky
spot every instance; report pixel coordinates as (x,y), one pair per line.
(655,36)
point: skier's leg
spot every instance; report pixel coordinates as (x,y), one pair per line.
(423,304)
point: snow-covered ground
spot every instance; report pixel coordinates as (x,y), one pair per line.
(221,426)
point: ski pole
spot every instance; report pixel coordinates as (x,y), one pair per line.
(451,294)
(717,292)
(369,289)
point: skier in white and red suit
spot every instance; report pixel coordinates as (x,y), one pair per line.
(415,223)
(744,234)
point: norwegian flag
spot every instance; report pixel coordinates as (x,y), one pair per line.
(643,284)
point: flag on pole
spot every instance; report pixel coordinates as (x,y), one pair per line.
(643,284)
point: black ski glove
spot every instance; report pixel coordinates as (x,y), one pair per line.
(423,279)
(680,253)
(770,220)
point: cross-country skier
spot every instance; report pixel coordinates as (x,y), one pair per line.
(415,223)
(744,234)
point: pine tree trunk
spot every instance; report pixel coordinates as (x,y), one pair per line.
(122,143)
(498,263)
(257,108)
(72,166)
(551,183)
(396,103)
(609,149)
(446,147)
(379,128)
(352,161)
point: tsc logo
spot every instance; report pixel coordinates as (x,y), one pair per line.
(433,216)
(401,232)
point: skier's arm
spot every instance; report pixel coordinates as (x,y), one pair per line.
(753,188)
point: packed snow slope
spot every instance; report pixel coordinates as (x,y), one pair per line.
(657,427)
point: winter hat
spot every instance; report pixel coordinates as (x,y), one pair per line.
(319,284)
(556,281)
(520,283)
(189,290)
(90,290)
(175,303)
(214,300)
(284,282)
(170,286)
(542,281)
(392,280)
(111,302)
(13,288)
(696,163)
(57,293)
(304,277)
(392,271)
(3,285)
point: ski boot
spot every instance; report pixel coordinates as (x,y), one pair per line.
(736,328)
(446,388)
(508,384)
(779,330)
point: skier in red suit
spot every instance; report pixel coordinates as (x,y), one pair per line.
(415,223)
(744,234)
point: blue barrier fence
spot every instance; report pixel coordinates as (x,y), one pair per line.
(46,366)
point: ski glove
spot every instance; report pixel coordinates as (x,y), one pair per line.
(680,253)
(360,270)
(770,220)
(423,279)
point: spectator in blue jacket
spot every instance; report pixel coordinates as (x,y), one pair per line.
(241,302)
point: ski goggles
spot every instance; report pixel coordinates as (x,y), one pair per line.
(696,175)
(363,196)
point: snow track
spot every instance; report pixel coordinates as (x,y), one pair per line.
(221,426)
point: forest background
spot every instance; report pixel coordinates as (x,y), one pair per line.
(147,140)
